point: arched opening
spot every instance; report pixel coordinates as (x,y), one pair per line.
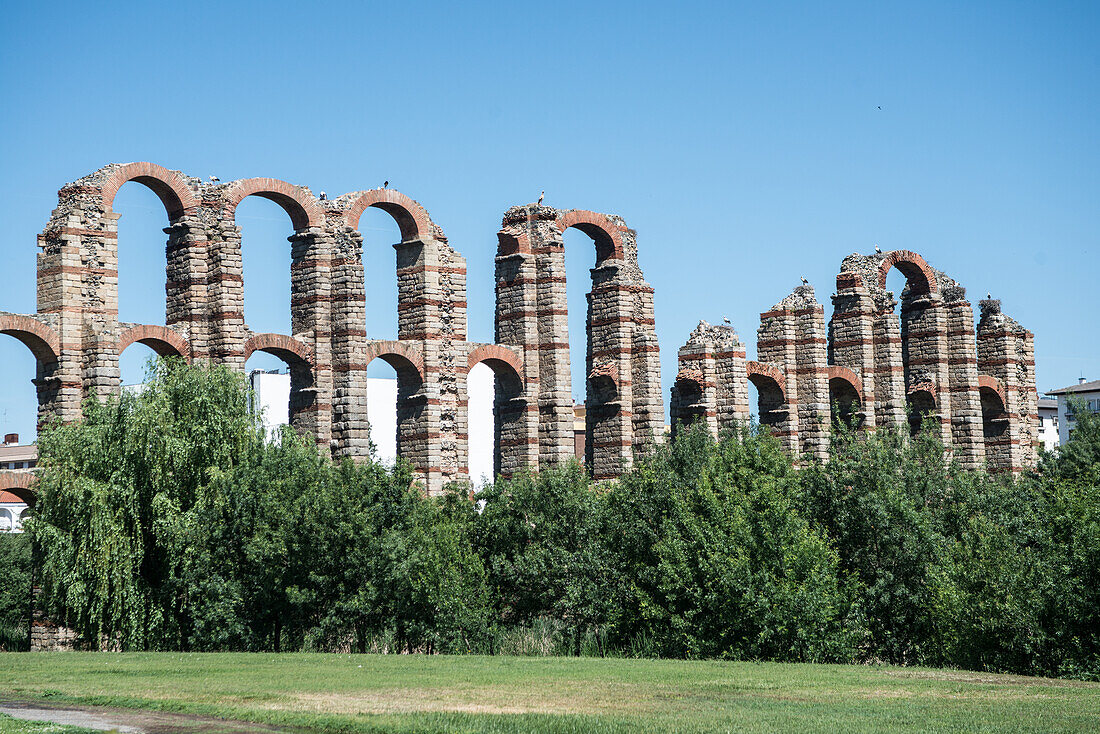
(266,258)
(688,398)
(271,385)
(382,387)
(845,402)
(578,284)
(994,417)
(769,384)
(506,417)
(19,398)
(921,406)
(143,264)
(134,364)
(380,233)
(395,402)
(481,431)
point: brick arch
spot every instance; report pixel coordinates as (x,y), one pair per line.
(299,204)
(286,348)
(38,337)
(405,360)
(19,483)
(988,382)
(925,386)
(170,187)
(760,371)
(918,273)
(606,234)
(411,217)
(162,340)
(496,353)
(843,373)
(691,376)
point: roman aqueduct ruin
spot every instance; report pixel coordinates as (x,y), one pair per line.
(864,363)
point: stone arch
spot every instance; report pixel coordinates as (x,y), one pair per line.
(298,358)
(918,273)
(286,348)
(171,187)
(405,360)
(510,437)
(771,388)
(412,415)
(845,395)
(296,201)
(988,382)
(162,340)
(35,335)
(689,397)
(921,399)
(991,393)
(496,353)
(412,219)
(606,234)
(19,483)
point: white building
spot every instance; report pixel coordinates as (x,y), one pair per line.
(1048,423)
(1086,392)
(271,396)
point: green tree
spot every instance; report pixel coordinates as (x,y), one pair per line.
(716,561)
(114,491)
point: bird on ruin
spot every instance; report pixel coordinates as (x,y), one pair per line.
(385,184)
(727,319)
(214,179)
(542,195)
(324,196)
(805,282)
(878,249)
(989,296)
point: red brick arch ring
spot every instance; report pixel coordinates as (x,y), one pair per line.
(170,187)
(766,375)
(299,204)
(847,375)
(606,234)
(162,340)
(286,348)
(503,361)
(36,336)
(988,382)
(917,272)
(927,387)
(19,483)
(412,219)
(405,360)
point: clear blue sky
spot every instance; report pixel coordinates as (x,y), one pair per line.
(744,144)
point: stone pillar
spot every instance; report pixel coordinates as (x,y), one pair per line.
(852,338)
(712,382)
(1006,352)
(924,351)
(350,427)
(962,377)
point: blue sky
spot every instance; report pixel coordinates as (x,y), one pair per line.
(744,143)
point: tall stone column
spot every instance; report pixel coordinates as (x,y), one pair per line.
(1006,352)
(852,337)
(962,380)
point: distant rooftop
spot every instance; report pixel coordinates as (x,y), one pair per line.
(1048,403)
(1092,386)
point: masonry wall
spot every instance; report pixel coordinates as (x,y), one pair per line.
(76,337)
(874,367)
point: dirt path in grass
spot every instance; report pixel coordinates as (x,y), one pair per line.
(132,721)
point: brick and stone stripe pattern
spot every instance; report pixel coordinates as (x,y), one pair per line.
(76,337)
(979,385)
(624,402)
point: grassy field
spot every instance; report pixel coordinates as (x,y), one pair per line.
(398,693)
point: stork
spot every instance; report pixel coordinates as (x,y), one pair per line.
(542,195)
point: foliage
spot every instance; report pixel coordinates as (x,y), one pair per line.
(715,560)
(167,521)
(15,591)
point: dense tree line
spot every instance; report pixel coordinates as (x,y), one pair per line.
(165,521)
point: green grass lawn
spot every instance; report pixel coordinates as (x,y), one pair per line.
(413,693)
